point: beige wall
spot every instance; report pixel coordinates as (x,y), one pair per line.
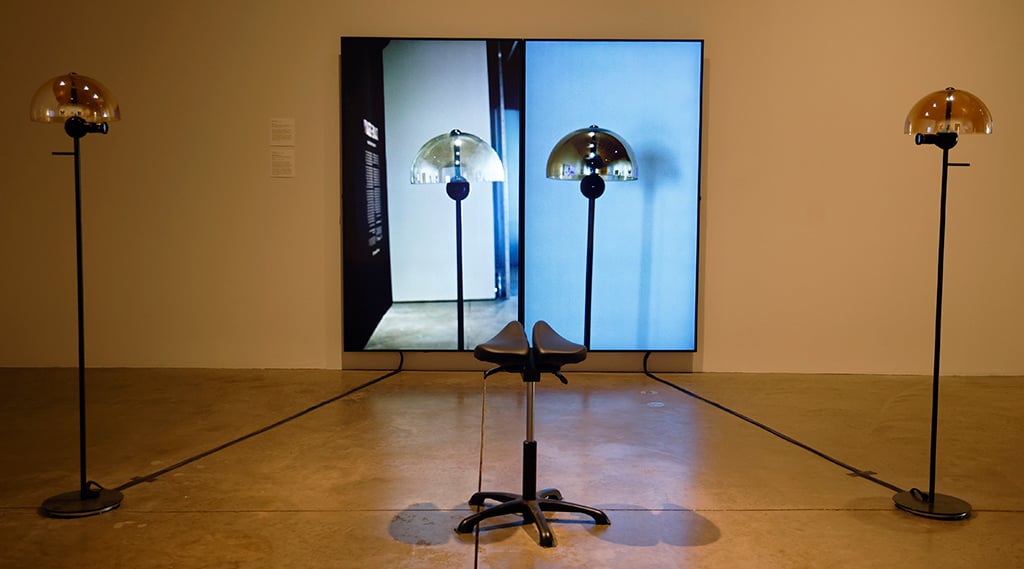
(819,215)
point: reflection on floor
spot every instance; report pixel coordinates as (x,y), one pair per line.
(318,469)
(433,325)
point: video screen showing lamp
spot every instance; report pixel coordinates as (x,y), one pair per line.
(399,259)
(524,239)
(939,119)
(644,245)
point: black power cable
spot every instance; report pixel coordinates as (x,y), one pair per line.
(866,474)
(153,476)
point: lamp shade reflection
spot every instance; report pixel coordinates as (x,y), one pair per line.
(592,150)
(74,95)
(456,154)
(949,111)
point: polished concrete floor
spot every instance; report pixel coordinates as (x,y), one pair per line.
(414,326)
(316,469)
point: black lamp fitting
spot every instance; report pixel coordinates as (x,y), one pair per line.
(77,127)
(458,188)
(592,186)
(944,140)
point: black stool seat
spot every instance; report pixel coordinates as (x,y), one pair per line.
(510,350)
(553,351)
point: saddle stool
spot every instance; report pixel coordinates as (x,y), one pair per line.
(512,353)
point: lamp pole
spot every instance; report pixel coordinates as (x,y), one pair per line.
(931,504)
(90,498)
(458,190)
(592,187)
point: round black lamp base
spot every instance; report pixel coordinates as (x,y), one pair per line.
(74,505)
(941,508)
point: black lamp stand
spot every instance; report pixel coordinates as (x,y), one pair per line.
(458,190)
(930,504)
(592,187)
(90,498)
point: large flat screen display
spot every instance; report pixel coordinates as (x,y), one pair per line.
(523,238)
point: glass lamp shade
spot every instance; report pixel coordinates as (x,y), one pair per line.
(592,150)
(74,95)
(949,111)
(456,154)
